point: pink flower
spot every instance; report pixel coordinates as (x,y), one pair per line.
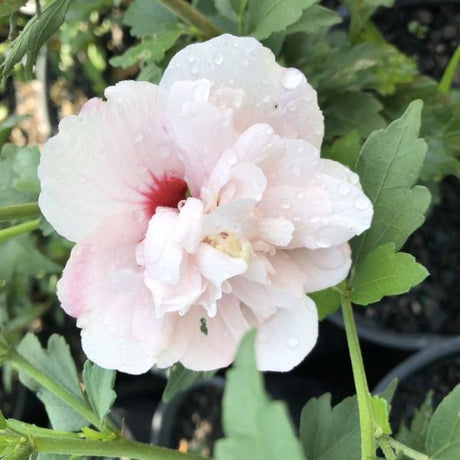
(200,208)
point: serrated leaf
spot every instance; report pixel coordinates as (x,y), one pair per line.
(99,385)
(147,17)
(254,426)
(268,16)
(345,150)
(381,413)
(57,363)
(25,166)
(389,165)
(352,111)
(415,436)
(330,433)
(314,20)
(384,272)
(180,379)
(10,6)
(443,434)
(327,302)
(35,34)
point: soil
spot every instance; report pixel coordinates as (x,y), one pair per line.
(432,306)
(440,377)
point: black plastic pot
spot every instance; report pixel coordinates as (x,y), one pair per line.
(192,417)
(436,368)
(370,331)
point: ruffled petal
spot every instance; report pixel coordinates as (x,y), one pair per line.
(277,96)
(106,161)
(284,339)
(99,281)
(323,267)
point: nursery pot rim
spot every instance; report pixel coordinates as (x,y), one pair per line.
(371,332)
(419,360)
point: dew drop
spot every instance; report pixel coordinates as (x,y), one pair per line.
(232,160)
(181,204)
(296,218)
(323,242)
(285,203)
(361,204)
(354,179)
(218,59)
(344,189)
(191,58)
(293,342)
(138,138)
(292,78)
(300,195)
(201,91)
(194,70)
(292,106)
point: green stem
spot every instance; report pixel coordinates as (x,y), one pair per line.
(15,230)
(192,16)
(366,415)
(116,448)
(71,400)
(387,449)
(19,211)
(407,451)
(446,80)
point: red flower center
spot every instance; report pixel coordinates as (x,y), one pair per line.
(166,191)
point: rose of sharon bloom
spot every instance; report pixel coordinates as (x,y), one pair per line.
(200,209)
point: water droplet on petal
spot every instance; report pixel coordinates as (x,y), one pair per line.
(323,242)
(232,160)
(361,203)
(191,58)
(194,70)
(218,59)
(285,203)
(138,138)
(292,78)
(293,342)
(344,189)
(300,195)
(354,179)
(181,204)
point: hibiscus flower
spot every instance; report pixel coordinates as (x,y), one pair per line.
(200,209)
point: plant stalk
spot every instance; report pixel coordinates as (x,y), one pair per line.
(448,77)
(114,448)
(72,401)
(19,211)
(15,230)
(366,415)
(407,451)
(192,16)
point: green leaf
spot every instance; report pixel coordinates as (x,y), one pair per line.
(255,427)
(152,48)
(268,16)
(10,6)
(314,20)
(384,272)
(147,17)
(352,111)
(381,413)
(330,433)
(327,302)
(443,434)
(180,379)
(35,34)
(389,165)
(415,436)
(99,388)
(25,166)
(345,150)
(57,363)
(19,255)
